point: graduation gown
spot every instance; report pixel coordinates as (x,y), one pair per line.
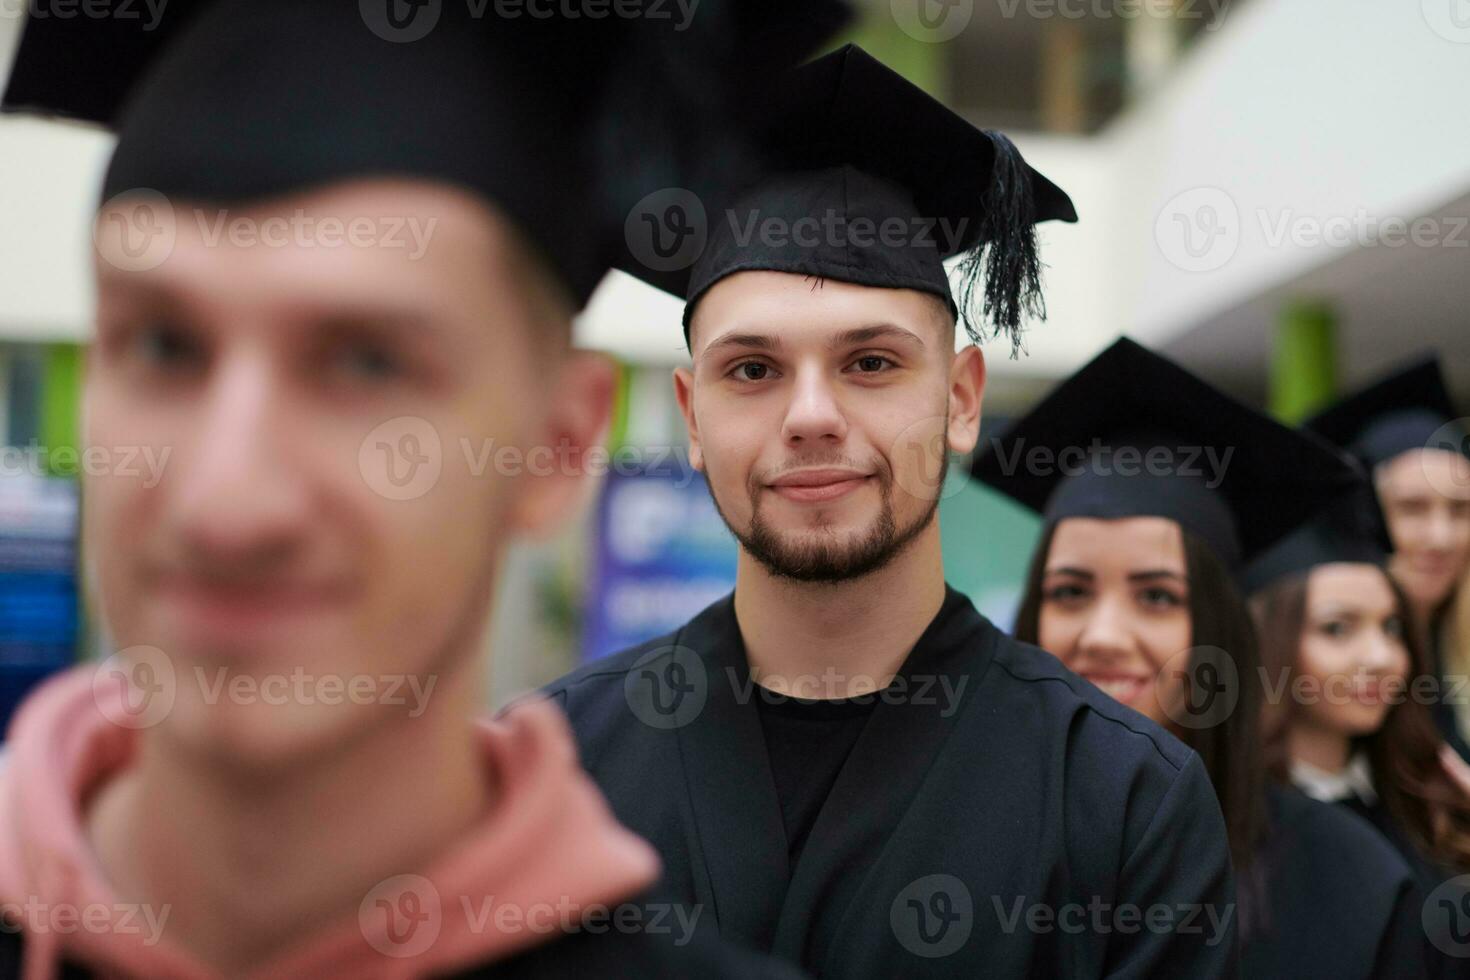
(1428,875)
(997,816)
(1339,901)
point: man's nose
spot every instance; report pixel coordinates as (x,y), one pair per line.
(814,414)
(233,491)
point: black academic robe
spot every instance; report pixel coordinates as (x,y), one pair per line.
(1339,901)
(607,953)
(996,817)
(1450,959)
(1429,873)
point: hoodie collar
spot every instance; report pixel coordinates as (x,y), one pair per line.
(549,843)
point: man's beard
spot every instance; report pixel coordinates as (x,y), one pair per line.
(831,558)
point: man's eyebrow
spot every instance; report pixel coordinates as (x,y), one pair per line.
(745,341)
(139,282)
(877,331)
(405,329)
(378,322)
(847,338)
(120,292)
(333,315)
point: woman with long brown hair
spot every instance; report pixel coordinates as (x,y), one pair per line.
(1350,720)
(1133,587)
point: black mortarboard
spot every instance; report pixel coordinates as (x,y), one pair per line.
(1134,435)
(560,121)
(851,145)
(1403,411)
(1349,529)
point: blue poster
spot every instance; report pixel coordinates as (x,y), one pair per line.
(662,555)
(39,617)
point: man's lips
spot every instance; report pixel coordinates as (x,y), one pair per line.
(818,485)
(217,606)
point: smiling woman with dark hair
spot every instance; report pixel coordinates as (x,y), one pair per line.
(1190,603)
(1133,586)
(1352,725)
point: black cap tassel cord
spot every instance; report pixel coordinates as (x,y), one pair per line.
(1007,259)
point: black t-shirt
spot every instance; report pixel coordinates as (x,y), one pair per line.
(807,742)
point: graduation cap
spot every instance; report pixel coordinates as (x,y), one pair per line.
(867,179)
(1132,434)
(1403,411)
(1350,529)
(560,121)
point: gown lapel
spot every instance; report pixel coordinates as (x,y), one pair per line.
(741,835)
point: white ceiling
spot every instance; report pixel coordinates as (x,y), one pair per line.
(1393,302)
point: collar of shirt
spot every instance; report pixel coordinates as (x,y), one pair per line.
(1354,779)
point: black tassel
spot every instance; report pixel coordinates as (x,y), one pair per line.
(1006,257)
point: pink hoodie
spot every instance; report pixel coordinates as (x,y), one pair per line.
(551,841)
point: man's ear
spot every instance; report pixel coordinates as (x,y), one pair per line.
(966,389)
(684,394)
(577,421)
